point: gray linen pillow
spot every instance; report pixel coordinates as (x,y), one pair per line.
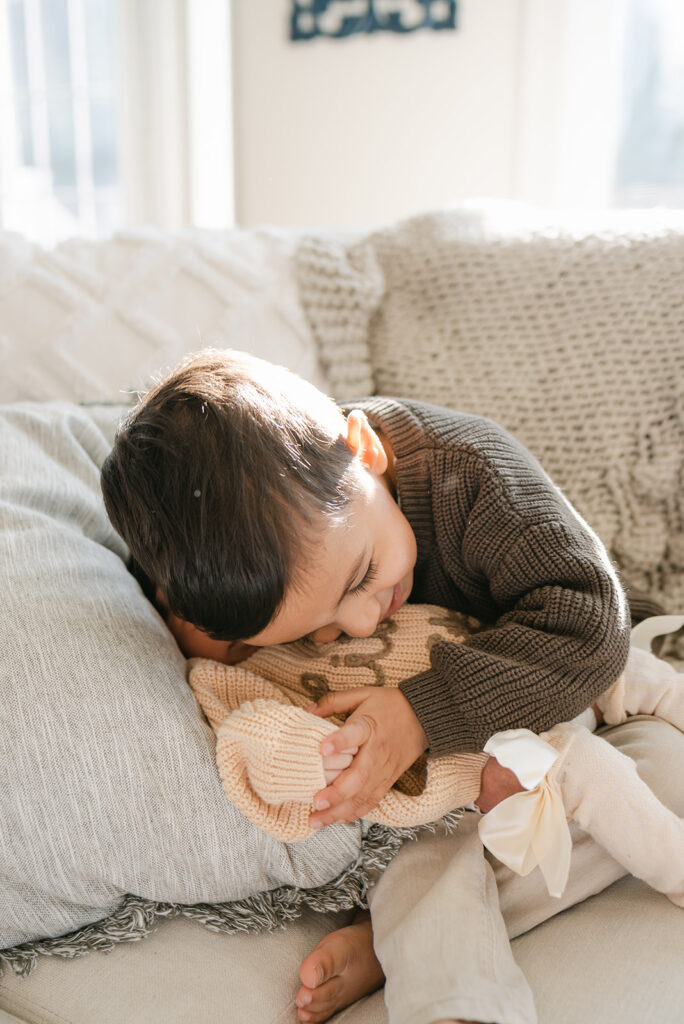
(108,784)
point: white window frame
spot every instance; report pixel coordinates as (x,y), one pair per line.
(210,113)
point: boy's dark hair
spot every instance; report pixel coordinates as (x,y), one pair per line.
(217,481)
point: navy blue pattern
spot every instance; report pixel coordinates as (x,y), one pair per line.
(339,18)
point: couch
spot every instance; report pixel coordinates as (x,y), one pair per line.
(566,330)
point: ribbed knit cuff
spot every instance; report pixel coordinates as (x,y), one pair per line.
(432,701)
(452,782)
(280,748)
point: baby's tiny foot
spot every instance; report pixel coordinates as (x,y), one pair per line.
(341,969)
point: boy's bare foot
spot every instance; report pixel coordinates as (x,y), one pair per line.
(341,969)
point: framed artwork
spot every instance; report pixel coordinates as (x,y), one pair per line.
(337,19)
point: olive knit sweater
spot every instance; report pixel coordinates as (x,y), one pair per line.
(497,540)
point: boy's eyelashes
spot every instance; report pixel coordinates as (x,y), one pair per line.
(371,574)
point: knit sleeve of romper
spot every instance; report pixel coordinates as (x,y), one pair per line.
(498,540)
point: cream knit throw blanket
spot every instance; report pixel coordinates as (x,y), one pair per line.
(570,335)
(268,746)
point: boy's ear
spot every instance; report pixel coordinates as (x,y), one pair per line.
(365,443)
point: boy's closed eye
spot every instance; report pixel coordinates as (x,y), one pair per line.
(370,575)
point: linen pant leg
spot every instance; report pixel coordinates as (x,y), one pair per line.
(440,936)
(437,920)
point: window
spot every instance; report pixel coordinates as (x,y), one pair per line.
(601,103)
(114,113)
(649,166)
(60,169)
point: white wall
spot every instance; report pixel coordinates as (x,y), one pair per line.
(362,130)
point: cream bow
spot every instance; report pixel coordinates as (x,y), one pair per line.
(656,625)
(530,828)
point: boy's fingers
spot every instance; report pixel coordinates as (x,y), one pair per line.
(348,785)
(339,703)
(354,733)
(349,810)
(347,799)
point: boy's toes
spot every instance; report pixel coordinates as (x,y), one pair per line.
(322,1002)
(321,965)
(341,969)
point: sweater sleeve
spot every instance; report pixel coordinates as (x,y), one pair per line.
(559,626)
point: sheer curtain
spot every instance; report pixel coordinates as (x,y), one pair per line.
(649,165)
(104,109)
(601,103)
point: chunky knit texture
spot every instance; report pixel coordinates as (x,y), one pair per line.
(498,541)
(567,333)
(268,746)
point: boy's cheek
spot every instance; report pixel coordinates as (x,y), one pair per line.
(194,643)
(325,635)
(239,651)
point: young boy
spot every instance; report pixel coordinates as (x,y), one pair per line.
(262,515)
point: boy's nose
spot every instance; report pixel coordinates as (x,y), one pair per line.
(364,622)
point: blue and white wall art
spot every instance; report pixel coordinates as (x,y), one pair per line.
(339,18)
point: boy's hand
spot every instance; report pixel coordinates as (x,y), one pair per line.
(389,737)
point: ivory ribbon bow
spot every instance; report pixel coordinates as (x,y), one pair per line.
(656,625)
(530,828)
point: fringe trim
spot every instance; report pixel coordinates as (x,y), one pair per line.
(136,917)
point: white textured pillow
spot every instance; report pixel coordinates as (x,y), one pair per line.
(94,321)
(108,783)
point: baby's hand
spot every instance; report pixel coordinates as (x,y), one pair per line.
(334,764)
(389,737)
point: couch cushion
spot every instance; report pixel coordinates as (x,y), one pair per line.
(108,783)
(619,954)
(181,973)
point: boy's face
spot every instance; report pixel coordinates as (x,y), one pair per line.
(360,570)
